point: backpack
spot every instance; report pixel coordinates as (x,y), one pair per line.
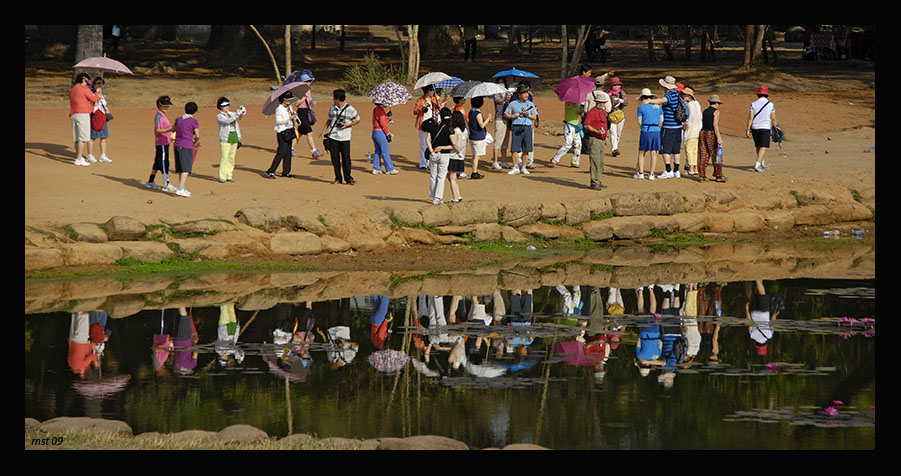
(681,112)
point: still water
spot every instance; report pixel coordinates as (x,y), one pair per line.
(709,365)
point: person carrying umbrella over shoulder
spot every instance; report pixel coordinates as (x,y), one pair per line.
(521,112)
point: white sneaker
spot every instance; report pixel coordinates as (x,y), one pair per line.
(376,172)
(665,175)
(651,177)
(514,171)
(677,174)
(436,201)
(91,158)
(638,176)
(183,192)
(169,187)
(391,172)
(525,170)
(462,175)
(496,166)
(531,164)
(82,162)
(104,158)
(758,167)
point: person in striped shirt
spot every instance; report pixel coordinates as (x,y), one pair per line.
(671,134)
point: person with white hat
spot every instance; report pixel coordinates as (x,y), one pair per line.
(595,125)
(671,132)
(650,118)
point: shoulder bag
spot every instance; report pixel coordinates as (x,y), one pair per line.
(326,140)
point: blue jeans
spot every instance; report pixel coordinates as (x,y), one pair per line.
(380,140)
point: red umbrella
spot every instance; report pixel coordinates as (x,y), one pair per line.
(102,63)
(574,89)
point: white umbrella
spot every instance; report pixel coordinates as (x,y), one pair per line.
(485,89)
(430,79)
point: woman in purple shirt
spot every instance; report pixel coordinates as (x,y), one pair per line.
(187,137)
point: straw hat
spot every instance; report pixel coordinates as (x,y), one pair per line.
(714,98)
(668,82)
(646,92)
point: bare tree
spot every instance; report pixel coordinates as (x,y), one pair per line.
(278,78)
(577,52)
(287,50)
(754,35)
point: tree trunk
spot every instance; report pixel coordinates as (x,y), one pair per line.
(749,45)
(651,56)
(88,43)
(687,42)
(564,40)
(758,44)
(413,60)
(278,79)
(287,50)
(577,52)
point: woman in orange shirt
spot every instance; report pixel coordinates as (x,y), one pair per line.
(81,105)
(425,109)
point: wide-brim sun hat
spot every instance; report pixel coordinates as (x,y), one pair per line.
(714,98)
(668,82)
(646,92)
(615,82)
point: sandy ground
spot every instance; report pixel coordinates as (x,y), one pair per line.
(830,139)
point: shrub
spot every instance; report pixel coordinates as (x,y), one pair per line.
(361,78)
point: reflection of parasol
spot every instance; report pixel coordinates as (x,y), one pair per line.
(573,353)
(104,64)
(485,370)
(297,89)
(101,388)
(388,360)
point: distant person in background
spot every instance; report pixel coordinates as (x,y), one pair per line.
(229,138)
(101,136)
(81,104)
(162,138)
(470,42)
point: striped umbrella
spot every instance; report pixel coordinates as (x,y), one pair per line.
(390,94)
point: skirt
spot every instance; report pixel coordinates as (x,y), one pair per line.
(455,165)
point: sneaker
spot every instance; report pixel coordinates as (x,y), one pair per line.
(525,170)
(152,186)
(514,171)
(677,174)
(230,180)
(496,166)
(721,179)
(758,167)
(270,175)
(391,172)
(531,164)
(462,175)
(436,201)
(169,187)
(651,176)
(476,176)
(506,165)
(183,192)
(376,172)
(91,158)
(105,159)
(666,175)
(81,161)
(638,176)
(317,154)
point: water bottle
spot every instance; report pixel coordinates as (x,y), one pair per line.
(369,157)
(719,155)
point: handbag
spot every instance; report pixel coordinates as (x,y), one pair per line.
(327,141)
(616,116)
(98,120)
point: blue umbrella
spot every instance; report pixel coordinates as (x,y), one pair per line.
(518,75)
(448,83)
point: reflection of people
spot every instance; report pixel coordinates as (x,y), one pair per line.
(710,331)
(81,104)
(85,342)
(572,301)
(380,320)
(757,310)
(227,334)
(648,347)
(184,335)
(343,349)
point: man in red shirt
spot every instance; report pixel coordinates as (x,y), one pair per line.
(81,105)
(596,125)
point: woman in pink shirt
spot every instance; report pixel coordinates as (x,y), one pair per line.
(380,138)
(81,105)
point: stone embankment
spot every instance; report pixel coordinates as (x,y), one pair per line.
(260,232)
(246,436)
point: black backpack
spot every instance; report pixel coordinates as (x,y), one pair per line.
(680,114)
